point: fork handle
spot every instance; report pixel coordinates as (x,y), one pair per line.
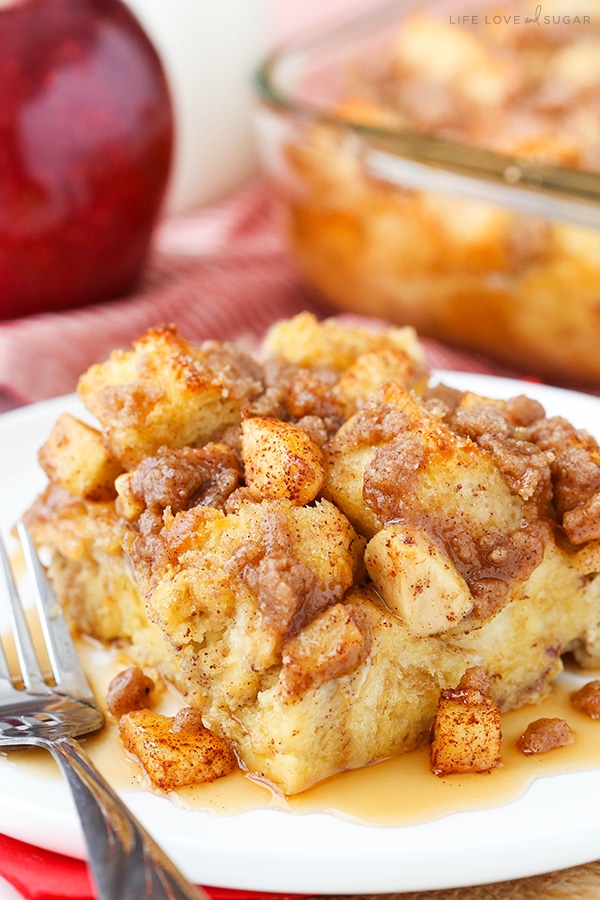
(125,861)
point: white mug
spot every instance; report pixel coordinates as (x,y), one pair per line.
(209,49)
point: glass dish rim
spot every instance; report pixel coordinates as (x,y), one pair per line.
(395,155)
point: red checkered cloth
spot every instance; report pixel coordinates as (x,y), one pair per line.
(222,272)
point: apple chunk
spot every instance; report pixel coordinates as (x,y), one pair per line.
(174,756)
(417,580)
(281,460)
(467,731)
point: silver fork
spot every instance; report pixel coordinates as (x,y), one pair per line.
(125,861)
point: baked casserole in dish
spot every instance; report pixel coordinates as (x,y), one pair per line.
(443,171)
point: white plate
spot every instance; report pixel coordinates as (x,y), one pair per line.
(555,824)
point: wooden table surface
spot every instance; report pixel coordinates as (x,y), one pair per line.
(577,883)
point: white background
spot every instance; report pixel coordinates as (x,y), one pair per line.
(7,892)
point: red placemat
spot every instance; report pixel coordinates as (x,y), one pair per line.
(43,875)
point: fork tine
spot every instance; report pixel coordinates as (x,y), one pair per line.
(5,675)
(66,668)
(28,663)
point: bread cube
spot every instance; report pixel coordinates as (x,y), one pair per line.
(167,392)
(347,717)
(76,458)
(336,344)
(438,475)
(371,372)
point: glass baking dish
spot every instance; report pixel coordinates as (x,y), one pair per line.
(493,247)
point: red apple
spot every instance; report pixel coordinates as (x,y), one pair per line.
(86,134)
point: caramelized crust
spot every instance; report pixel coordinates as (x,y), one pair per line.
(178,479)
(130,689)
(587,699)
(543,735)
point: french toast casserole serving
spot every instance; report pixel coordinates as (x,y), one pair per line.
(312,542)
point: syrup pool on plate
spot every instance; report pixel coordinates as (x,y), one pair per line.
(396,792)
